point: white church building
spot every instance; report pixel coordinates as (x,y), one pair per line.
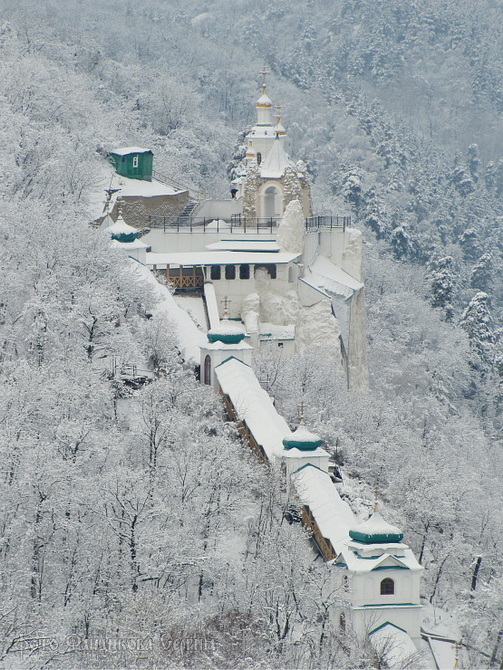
(290,280)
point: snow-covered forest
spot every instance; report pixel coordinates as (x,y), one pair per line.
(138,516)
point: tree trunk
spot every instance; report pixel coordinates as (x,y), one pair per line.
(475,573)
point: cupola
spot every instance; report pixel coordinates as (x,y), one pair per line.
(279,129)
(302,439)
(264,101)
(376,531)
(120,230)
(226,332)
(264,104)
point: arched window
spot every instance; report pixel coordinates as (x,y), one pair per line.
(259,158)
(387,587)
(207,370)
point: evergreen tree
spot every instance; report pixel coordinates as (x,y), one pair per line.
(442,284)
(477,322)
(482,274)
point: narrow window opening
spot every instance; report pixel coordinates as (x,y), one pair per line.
(387,587)
(215,272)
(230,272)
(244,272)
(135,161)
(207,370)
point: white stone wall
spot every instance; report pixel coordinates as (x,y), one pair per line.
(220,354)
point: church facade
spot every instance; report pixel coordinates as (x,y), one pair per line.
(271,179)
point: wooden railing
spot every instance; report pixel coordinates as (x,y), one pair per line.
(186,282)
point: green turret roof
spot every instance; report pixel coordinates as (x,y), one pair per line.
(302,439)
(226,332)
(376,531)
(122,232)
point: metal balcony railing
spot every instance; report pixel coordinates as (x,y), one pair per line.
(240,224)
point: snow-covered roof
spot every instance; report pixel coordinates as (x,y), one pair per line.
(244,245)
(394,645)
(330,279)
(195,258)
(253,405)
(129,246)
(443,652)
(375,530)
(124,151)
(264,101)
(297,453)
(333,516)
(276,162)
(302,438)
(227,332)
(222,346)
(121,231)
(360,557)
(190,338)
(382,555)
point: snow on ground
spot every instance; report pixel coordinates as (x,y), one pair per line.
(194,306)
(109,179)
(190,338)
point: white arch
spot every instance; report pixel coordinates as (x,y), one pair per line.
(271,201)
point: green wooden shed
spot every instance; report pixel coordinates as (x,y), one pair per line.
(133,162)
